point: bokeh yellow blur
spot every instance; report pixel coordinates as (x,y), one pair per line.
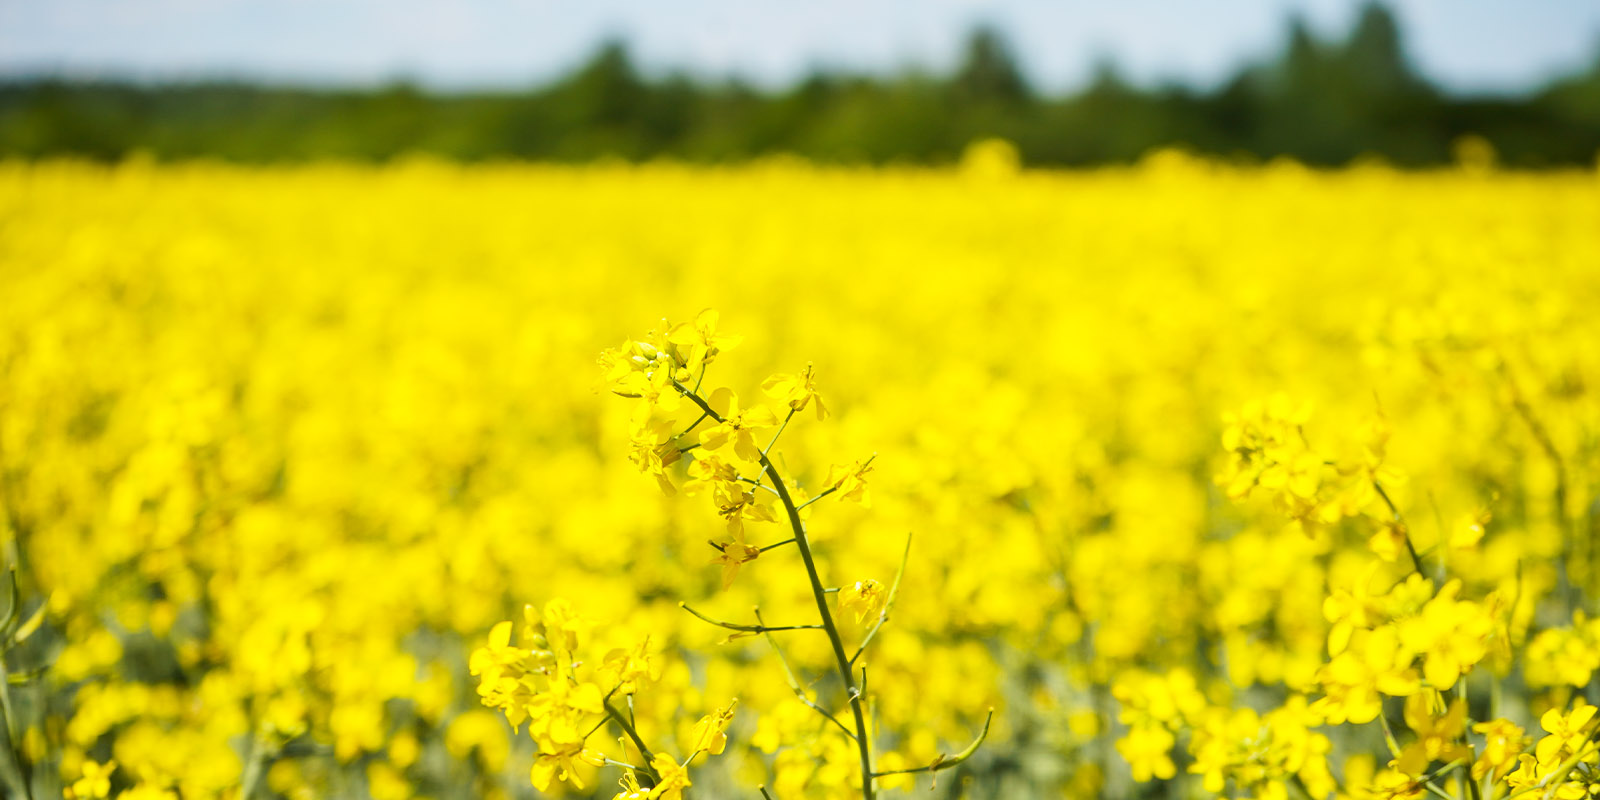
(280,446)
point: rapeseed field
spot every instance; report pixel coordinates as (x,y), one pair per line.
(425,480)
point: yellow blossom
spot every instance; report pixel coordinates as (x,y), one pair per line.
(850,481)
(864,598)
(1451,635)
(1438,738)
(653,450)
(1394,784)
(1568,732)
(733,555)
(738,426)
(700,340)
(1148,749)
(674,778)
(795,390)
(1503,742)
(631,789)
(710,733)
(96,780)
(561,765)
(627,669)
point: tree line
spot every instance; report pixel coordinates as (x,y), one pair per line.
(1319,101)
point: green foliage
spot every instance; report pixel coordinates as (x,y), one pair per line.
(1319,102)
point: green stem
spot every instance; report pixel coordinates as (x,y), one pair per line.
(946,762)
(649,768)
(692,426)
(821,597)
(734,626)
(16,779)
(756,483)
(252,768)
(775,436)
(825,493)
(1416,560)
(768,449)
(1472,785)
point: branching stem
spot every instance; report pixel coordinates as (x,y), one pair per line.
(644,752)
(804,544)
(794,684)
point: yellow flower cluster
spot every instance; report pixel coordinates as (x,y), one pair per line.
(1221,479)
(1564,763)
(542,681)
(1264,754)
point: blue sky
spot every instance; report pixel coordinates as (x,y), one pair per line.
(1468,45)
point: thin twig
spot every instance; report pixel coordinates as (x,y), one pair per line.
(775,436)
(825,493)
(757,484)
(946,762)
(769,446)
(1405,532)
(252,769)
(734,626)
(883,616)
(794,684)
(693,425)
(603,720)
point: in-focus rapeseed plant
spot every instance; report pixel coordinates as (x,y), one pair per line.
(684,354)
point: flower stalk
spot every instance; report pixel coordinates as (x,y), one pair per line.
(829,626)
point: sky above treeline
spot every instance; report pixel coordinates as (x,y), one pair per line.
(1467,46)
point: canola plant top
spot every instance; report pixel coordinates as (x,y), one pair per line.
(1231,478)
